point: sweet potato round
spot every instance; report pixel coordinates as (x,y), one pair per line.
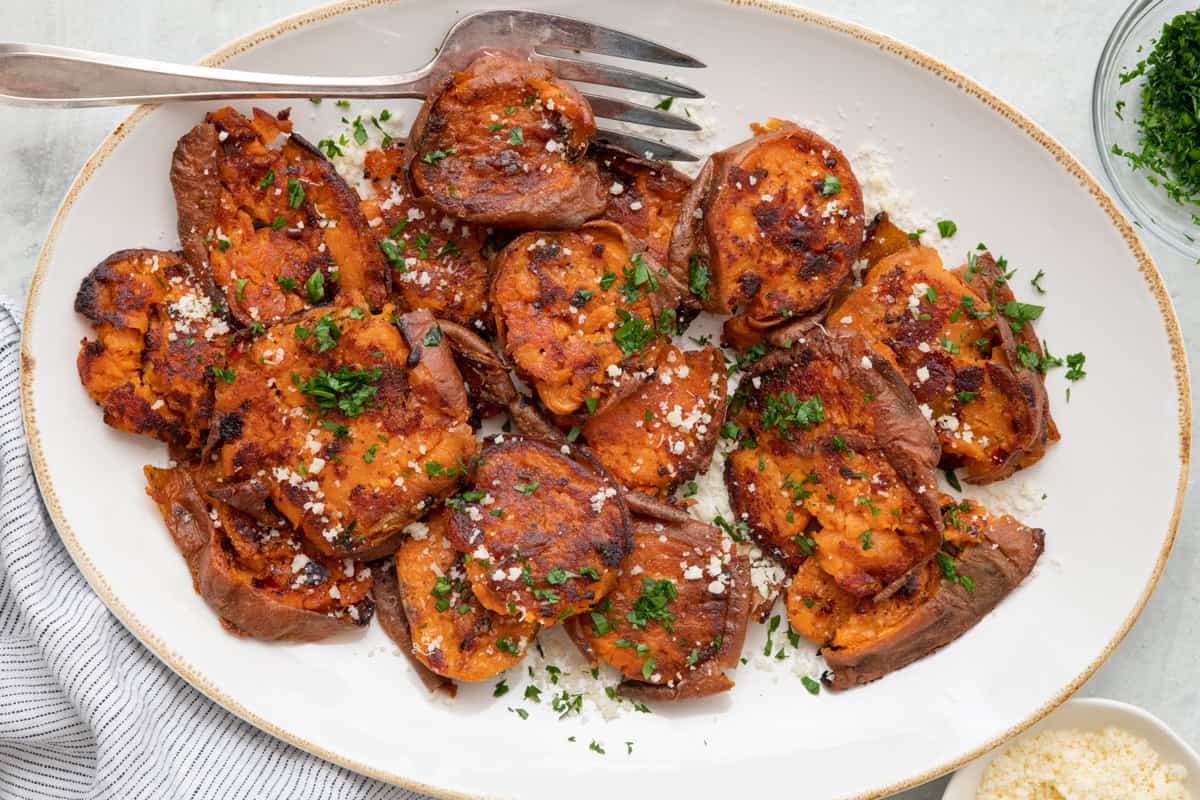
(772,225)
(644,197)
(665,431)
(355,433)
(157,341)
(546,530)
(452,633)
(677,615)
(836,461)
(505,143)
(438,263)
(260,577)
(572,316)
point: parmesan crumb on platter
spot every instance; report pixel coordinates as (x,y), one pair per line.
(1109,764)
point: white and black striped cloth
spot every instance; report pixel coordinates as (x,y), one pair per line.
(85,710)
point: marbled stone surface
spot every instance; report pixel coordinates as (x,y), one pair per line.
(1038,54)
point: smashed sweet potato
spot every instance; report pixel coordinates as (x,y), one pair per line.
(644,197)
(985,557)
(157,343)
(579,312)
(505,143)
(665,431)
(545,530)
(771,226)
(274,226)
(948,340)
(676,618)
(438,262)
(354,426)
(257,572)
(451,633)
(835,462)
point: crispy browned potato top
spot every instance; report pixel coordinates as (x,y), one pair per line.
(545,533)
(265,554)
(276,226)
(504,143)
(157,341)
(665,431)
(644,196)
(772,225)
(354,426)
(578,312)
(835,462)
(437,262)
(680,602)
(452,633)
(945,339)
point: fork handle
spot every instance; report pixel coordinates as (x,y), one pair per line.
(42,75)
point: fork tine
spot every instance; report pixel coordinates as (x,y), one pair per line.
(573,34)
(623,111)
(645,148)
(609,75)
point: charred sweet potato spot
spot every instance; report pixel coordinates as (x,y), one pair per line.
(665,431)
(677,615)
(157,342)
(504,143)
(983,558)
(437,262)
(644,197)
(357,425)
(258,574)
(273,225)
(452,633)
(774,223)
(945,338)
(836,463)
(546,534)
(578,311)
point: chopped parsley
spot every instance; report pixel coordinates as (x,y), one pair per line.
(295,193)
(267,179)
(652,604)
(784,411)
(1035,282)
(314,287)
(947,228)
(633,333)
(698,278)
(433,337)
(346,389)
(226,375)
(830,186)
(516,135)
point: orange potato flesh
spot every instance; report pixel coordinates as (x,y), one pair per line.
(560,312)
(452,633)
(545,535)
(504,143)
(644,197)
(350,476)
(437,262)
(157,339)
(665,432)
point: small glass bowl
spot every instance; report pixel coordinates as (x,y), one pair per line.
(1129,43)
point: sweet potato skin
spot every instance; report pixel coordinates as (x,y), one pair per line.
(232,575)
(866,641)
(504,143)
(452,634)
(545,527)
(861,469)
(157,340)
(438,263)
(261,221)
(350,477)
(560,312)
(644,197)
(710,610)
(769,236)
(665,431)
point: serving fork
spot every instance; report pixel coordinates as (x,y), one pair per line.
(43,75)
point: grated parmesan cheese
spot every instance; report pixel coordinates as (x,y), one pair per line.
(1110,764)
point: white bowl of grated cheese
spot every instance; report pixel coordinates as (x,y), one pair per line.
(1089,747)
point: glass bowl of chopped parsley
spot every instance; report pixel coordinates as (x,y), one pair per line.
(1146,118)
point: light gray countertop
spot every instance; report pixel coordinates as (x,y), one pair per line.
(1038,54)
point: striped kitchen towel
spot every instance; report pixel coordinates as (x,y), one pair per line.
(85,710)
